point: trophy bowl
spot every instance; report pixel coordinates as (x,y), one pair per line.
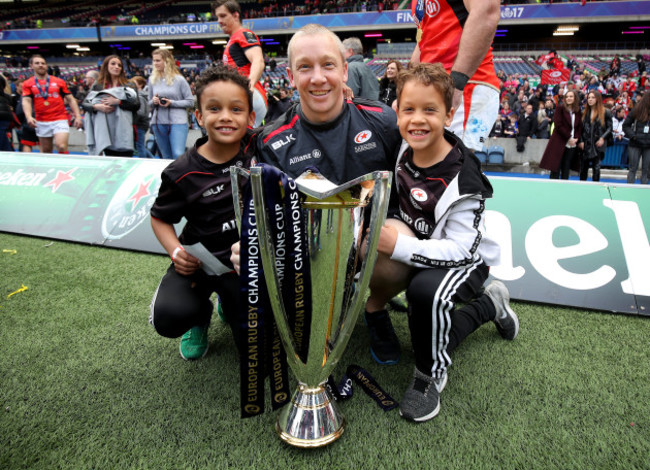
(335,219)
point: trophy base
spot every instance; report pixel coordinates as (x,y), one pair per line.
(310,419)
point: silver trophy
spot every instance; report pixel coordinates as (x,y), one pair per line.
(339,277)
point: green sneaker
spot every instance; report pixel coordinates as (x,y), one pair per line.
(194,343)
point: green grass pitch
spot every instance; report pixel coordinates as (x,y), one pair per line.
(86,383)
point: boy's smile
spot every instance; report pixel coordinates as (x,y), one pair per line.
(422,117)
(225,115)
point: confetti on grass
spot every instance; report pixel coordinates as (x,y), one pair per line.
(11,252)
(23,288)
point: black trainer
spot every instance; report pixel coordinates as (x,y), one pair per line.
(505,319)
(384,345)
(421,402)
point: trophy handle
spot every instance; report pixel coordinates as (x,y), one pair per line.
(380,199)
(236,174)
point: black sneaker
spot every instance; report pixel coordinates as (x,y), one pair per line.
(421,402)
(505,319)
(384,345)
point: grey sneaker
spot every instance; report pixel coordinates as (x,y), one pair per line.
(421,402)
(505,319)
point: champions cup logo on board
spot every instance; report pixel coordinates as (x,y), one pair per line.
(362,137)
(418,194)
(432,8)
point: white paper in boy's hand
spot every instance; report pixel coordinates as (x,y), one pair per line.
(211,265)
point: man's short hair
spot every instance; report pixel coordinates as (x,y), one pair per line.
(428,74)
(35,56)
(94,74)
(231,5)
(314,29)
(354,44)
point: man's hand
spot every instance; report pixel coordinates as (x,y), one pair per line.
(234,256)
(78,122)
(186,264)
(31,122)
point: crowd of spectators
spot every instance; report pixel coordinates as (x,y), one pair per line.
(620,93)
(526,111)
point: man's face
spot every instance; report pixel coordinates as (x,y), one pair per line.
(319,72)
(89,81)
(227,20)
(39,66)
(529,109)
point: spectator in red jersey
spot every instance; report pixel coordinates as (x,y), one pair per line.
(629,85)
(44,99)
(615,66)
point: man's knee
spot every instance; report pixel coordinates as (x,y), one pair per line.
(61,142)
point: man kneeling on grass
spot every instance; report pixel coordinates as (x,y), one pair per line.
(437,248)
(197,187)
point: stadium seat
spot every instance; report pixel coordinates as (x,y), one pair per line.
(495,155)
(482,155)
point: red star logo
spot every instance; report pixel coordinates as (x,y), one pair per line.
(143,191)
(60,178)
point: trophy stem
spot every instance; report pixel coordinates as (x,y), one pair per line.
(311,418)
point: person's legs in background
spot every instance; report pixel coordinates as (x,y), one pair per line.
(177,139)
(633,155)
(162,132)
(143,151)
(260,107)
(5,143)
(645,165)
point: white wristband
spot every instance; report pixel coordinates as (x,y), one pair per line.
(175,252)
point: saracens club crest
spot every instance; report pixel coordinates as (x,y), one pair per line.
(419,194)
(363,136)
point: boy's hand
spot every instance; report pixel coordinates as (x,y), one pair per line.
(186,264)
(387,240)
(234,256)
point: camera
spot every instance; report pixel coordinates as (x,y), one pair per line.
(164,101)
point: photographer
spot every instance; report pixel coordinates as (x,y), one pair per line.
(170,96)
(279,102)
